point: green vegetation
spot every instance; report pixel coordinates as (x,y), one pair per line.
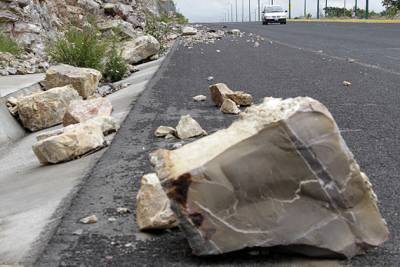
(115,67)
(79,48)
(393,5)
(336,12)
(159,29)
(87,49)
(7,44)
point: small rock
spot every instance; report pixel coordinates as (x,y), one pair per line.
(234,32)
(122,210)
(189,31)
(229,107)
(346,83)
(188,127)
(218,51)
(218,93)
(199,98)
(112,219)
(241,98)
(128,245)
(256,44)
(177,145)
(163,131)
(89,219)
(78,232)
(350,60)
(108,258)
(210,78)
(170,136)
(153,209)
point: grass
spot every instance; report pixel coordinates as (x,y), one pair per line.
(159,29)
(115,67)
(7,44)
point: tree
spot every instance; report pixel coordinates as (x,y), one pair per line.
(391,4)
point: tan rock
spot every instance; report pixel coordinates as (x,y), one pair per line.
(229,107)
(45,109)
(241,98)
(107,124)
(188,127)
(140,49)
(163,131)
(89,219)
(75,141)
(218,93)
(199,98)
(281,175)
(82,110)
(346,83)
(84,80)
(153,209)
(189,31)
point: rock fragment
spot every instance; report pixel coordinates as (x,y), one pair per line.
(189,31)
(241,98)
(218,93)
(82,110)
(199,98)
(45,109)
(75,141)
(153,209)
(140,49)
(229,107)
(281,175)
(89,219)
(84,80)
(346,83)
(163,131)
(188,127)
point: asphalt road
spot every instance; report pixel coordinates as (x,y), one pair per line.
(367,112)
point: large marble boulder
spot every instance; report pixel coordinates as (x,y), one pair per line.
(72,142)
(84,80)
(153,209)
(281,175)
(140,49)
(82,110)
(45,109)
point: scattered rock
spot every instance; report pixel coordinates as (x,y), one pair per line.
(112,219)
(78,232)
(234,32)
(84,80)
(256,44)
(350,60)
(210,78)
(346,83)
(82,110)
(75,141)
(45,109)
(199,98)
(218,93)
(314,197)
(163,131)
(89,219)
(188,127)
(153,209)
(189,31)
(107,124)
(229,107)
(140,49)
(241,98)
(122,210)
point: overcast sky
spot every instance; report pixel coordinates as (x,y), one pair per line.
(214,10)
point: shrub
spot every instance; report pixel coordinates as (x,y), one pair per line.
(7,44)
(158,29)
(80,48)
(115,67)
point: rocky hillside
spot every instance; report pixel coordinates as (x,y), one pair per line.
(33,22)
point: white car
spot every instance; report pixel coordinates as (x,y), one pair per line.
(274,14)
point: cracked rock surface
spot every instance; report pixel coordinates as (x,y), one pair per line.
(281,175)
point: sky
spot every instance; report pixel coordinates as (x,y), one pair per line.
(215,10)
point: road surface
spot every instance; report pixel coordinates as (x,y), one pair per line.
(288,63)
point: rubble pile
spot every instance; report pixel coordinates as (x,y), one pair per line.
(27,63)
(282,161)
(200,34)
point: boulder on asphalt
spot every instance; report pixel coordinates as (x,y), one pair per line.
(241,98)
(234,32)
(229,107)
(189,31)
(187,127)
(140,49)
(89,219)
(82,110)
(163,131)
(84,80)
(75,141)
(45,109)
(153,210)
(281,175)
(218,93)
